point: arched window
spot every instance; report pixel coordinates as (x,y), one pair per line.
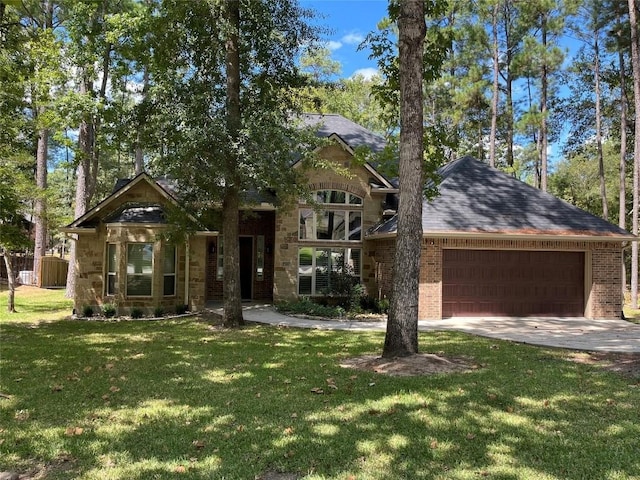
(339,221)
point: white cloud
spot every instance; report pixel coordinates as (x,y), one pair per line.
(333,45)
(353,39)
(368,73)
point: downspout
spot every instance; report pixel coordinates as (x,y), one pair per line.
(187,280)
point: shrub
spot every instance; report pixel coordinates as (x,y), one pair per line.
(182,309)
(306,306)
(137,312)
(109,310)
(158,312)
(383,305)
(87,311)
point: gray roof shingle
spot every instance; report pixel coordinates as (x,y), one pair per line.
(476,198)
(351,133)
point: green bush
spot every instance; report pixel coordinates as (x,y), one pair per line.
(137,312)
(306,306)
(158,312)
(87,311)
(109,310)
(182,309)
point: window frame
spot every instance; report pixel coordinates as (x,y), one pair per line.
(174,274)
(111,273)
(150,275)
(314,266)
(346,209)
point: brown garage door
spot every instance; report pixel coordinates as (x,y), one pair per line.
(512,283)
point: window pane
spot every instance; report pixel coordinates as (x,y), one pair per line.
(169,285)
(112,281)
(304,286)
(260,257)
(111,257)
(331,196)
(306,224)
(220,260)
(322,270)
(331,225)
(354,260)
(139,285)
(354,199)
(140,258)
(355,225)
(169,259)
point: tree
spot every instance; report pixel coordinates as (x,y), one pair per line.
(402,327)
(220,86)
(635,65)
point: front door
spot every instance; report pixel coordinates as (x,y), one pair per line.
(246,267)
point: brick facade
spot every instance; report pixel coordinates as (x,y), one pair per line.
(603,270)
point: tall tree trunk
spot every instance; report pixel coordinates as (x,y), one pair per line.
(496,87)
(139,157)
(83,182)
(603,185)
(635,63)
(11,282)
(402,327)
(231,201)
(544,138)
(622,204)
(40,210)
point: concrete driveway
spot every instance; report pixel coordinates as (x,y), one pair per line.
(573,333)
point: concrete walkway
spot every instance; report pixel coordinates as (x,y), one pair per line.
(573,333)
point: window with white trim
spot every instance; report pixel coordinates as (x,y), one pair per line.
(111,282)
(169,271)
(318,265)
(139,269)
(339,218)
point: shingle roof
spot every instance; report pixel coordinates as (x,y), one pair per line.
(476,198)
(351,133)
(138,214)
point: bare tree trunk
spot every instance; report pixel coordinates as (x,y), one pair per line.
(11,282)
(622,204)
(83,175)
(496,88)
(40,247)
(635,63)
(231,201)
(544,136)
(603,185)
(139,157)
(402,327)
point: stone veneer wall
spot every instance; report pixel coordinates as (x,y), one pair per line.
(91,261)
(603,270)
(287,224)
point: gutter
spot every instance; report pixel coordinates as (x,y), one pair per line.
(513,236)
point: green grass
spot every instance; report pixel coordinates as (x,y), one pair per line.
(35,305)
(182,399)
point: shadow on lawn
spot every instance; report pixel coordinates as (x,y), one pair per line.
(154,400)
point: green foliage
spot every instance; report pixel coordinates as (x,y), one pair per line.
(181,309)
(87,311)
(306,306)
(136,313)
(109,310)
(158,312)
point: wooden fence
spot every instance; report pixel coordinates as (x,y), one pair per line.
(53,272)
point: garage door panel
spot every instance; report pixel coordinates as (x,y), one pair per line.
(511,282)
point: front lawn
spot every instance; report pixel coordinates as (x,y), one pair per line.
(35,304)
(185,399)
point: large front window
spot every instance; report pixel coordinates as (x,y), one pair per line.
(139,269)
(319,268)
(338,219)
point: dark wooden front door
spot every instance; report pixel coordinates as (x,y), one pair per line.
(512,283)
(246,267)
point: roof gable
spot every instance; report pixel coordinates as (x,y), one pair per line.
(475,198)
(107,206)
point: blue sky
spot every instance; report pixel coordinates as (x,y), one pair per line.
(349,21)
